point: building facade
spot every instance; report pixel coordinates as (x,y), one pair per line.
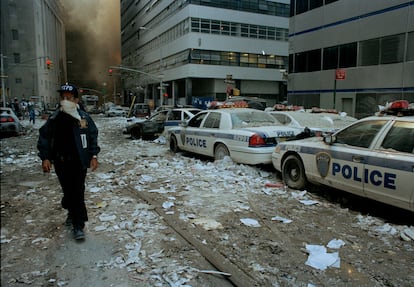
(197,51)
(351,55)
(33,50)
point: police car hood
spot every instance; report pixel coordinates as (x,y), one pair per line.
(274,131)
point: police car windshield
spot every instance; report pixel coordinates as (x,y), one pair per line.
(252,119)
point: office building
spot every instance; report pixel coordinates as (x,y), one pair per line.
(32,49)
(198,50)
(351,55)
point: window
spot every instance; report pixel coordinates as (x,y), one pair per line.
(212,121)
(196,120)
(16,57)
(392,49)
(15,34)
(361,134)
(410,47)
(215,27)
(314,60)
(174,116)
(348,55)
(301,6)
(195,25)
(315,4)
(330,58)
(300,62)
(205,26)
(369,52)
(400,137)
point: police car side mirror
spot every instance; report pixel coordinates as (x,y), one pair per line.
(184,123)
(329,139)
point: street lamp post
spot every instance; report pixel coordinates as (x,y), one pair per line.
(3,86)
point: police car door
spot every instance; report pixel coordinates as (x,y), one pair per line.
(349,154)
(211,130)
(392,166)
(191,136)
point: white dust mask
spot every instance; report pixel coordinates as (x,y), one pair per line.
(70,108)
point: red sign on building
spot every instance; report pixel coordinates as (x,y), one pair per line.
(340,74)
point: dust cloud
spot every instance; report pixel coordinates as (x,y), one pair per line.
(92,40)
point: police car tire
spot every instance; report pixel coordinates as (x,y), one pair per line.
(136,133)
(173,144)
(220,152)
(293,172)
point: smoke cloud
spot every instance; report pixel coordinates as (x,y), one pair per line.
(92,41)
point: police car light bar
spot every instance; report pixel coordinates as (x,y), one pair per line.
(399,108)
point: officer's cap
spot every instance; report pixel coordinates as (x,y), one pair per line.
(68,88)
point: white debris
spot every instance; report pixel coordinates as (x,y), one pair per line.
(107,217)
(407,234)
(281,219)
(336,243)
(250,222)
(208,224)
(308,202)
(318,257)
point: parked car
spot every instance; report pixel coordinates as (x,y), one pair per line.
(373,157)
(318,123)
(246,135)
(141,110)
(116,111)
(9,123)
(179,115)
(158,122)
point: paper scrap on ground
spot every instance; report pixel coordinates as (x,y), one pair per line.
(320,259)
(335,243)
(282,219)
(250,222)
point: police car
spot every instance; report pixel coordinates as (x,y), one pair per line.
(373,157)
(319,122)
(246,135)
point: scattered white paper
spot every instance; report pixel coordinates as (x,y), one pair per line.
(281,219)
(308,202)
(320,259)
(250,222)
(336,243)
(167,204)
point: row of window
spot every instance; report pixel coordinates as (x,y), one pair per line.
(254,6)
(238,29)
(224,58)
(236,59)
(378,51)
(302,6)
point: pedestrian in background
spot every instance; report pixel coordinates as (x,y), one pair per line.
(69,141)
(32,116)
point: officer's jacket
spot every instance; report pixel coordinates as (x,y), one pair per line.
(85,134)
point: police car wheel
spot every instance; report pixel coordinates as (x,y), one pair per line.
(173,144)
(136,133)
(293,172)
(221,152)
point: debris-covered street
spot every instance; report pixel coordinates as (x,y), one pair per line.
(159,219)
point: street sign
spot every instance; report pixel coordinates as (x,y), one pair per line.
(340,74)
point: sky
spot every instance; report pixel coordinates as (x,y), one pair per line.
(92,39)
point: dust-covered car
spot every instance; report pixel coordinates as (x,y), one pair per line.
(116,111)
(373,157)
(246,135)
(9,123)
(318,122)
(158,122)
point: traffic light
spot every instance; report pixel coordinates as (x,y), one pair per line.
(109,72)
(49,64)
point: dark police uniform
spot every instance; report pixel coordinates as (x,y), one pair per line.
(70,145)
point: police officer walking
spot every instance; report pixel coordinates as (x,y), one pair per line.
(69,141)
